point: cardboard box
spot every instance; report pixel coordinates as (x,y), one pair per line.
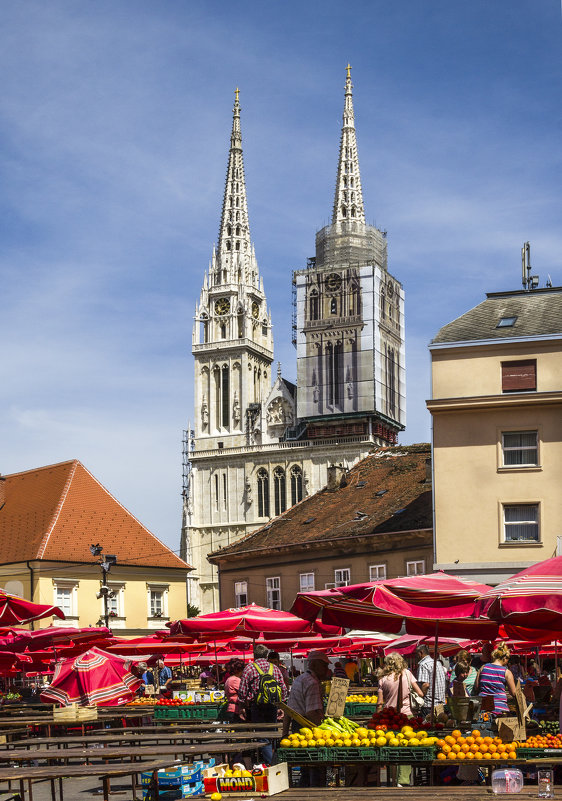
(73,712)
(510,729)
(274,780)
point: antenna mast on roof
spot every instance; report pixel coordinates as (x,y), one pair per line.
(529,281)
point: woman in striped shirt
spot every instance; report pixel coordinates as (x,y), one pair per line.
(495,679)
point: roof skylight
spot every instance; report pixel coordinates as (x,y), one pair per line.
(506,322)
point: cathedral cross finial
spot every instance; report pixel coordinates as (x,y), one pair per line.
(348,68)
(236,94)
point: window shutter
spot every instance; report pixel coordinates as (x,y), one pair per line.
(519,376)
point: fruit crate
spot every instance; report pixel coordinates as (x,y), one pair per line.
(355,754)
(192,712)
(414,753)
(355,709)
(302,755)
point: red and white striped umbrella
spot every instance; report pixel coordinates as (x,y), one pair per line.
(250,621)
(94,677)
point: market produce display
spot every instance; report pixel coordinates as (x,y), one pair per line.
(389,718)
(344,733)
(361,699)
(456,747)
(543,741)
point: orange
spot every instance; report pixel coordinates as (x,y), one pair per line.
(456,734)
(461,755)
(456,748)
(488,740)
(479,740)
(497,740)
(487,755)
(483,748)
(470,740)
(474,749)
(465,748)
(450,740)
(452,755)
(441,755)
(440,743)
(512,755)
(495,755)
(469,755)
(446,749)
(475,733)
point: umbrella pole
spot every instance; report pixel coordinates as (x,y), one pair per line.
(217,664)
(433,678)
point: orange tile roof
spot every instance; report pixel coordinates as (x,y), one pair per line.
(387,492)
(57,512)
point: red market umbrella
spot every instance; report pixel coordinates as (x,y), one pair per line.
(251,621)
(407,645)
(14,609)
(531,599)
(150,645)
(63,635)
(95,677)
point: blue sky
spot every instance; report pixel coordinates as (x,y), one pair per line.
(115,122)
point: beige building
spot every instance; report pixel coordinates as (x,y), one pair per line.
(497,435)
(49,518)
(371,522)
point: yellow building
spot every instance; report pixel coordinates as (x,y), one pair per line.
(497,435)
(49,518)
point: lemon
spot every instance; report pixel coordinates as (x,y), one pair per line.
(286,743)
(413,741)
(394,741)
(339,743)
(306,733)
(347,742)
(380,741)
(216,797)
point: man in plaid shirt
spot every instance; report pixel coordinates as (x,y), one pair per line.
(425,679)
(248,690)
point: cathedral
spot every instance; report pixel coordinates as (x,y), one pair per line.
(260,444)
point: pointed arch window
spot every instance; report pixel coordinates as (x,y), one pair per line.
(263,493)
(228,244)
(238,246)
(353,212)
(280,490)
(313,306)
(228,230)
(296,485)
(225,396)
(237,230)
(343,211)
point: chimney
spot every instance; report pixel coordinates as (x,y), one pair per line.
(336,476)
(2,491)
(428,477)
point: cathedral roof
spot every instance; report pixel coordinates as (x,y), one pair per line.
(524,314)
(387,492)
(57,512)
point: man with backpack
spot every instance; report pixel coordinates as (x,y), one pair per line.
(261,689)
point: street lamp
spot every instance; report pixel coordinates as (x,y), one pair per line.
(106,562)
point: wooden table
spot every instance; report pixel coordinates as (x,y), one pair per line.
(48,722)
(132,739)
(60,772)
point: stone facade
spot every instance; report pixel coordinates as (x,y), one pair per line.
(260,447)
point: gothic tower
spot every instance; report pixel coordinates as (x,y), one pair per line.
(350,316)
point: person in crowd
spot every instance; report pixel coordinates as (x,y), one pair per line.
(484,657)
(234,709)
(164,677)
(494,679)
(147,676)
(458,688)
(252,687)
(306,699)
(275,659)
(339,672)
(532,669)
(425,679)
(206,677)
(352,671)
(395,684)
(466,658)
(516,668)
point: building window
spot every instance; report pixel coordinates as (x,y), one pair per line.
(66,598)
(225,395)
(520,448)
(306,582)
(263,493)
(157,602)
(313,307)
(241,593)
(342,577)
(377,572)
(519,376)
(333,306)
(296,485)
(224,490)
(280,490)
(521,522)
(415,568)
(273,592)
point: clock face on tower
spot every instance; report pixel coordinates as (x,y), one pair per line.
(222,306)
(333,282)
(255,309)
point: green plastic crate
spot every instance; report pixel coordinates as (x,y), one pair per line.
(350,754)
(414,753)
(301,755)
(528,753)
(166,712)
(192,712)
(358,709)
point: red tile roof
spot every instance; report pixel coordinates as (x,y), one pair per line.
(384,493)
(57,512)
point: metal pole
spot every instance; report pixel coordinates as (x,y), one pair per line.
(433,678)
(105,598)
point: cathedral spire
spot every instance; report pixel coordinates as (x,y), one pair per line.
(348,199)
(234,248)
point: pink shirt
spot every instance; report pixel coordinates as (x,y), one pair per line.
(388,687)
(231,686)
